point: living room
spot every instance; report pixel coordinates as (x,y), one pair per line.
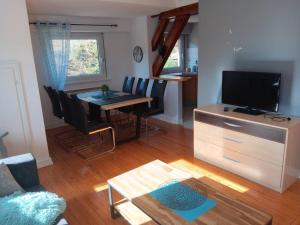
(141,166)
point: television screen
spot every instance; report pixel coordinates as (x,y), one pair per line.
(251,89)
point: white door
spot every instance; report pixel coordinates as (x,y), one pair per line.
(13,113)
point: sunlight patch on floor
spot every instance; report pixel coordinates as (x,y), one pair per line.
(100,187)
(198,172)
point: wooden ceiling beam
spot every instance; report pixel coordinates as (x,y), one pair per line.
(191,9)
(181,16)
(159,34)
(169,43)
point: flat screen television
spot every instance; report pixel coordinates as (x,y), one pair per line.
(255,91)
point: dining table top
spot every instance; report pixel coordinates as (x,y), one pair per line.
(112,99)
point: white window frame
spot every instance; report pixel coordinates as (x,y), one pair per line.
(84,78)
(181,54)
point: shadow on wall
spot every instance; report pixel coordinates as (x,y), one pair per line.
(286,68)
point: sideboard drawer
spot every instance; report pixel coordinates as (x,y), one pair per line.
(265,132)
(253,169)
(259,148)
(243,165)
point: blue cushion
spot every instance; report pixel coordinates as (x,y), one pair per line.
(24,169)
(8,184)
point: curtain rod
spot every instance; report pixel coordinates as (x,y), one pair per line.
(81,24)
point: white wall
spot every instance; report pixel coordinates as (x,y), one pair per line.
(139,37)
(15,45)
(266,32)
(117,49)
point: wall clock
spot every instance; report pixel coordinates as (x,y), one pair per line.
(138,54)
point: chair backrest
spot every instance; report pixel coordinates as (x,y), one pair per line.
(141,87)
(63,97)
(56,108)
(157,94)
(128,84)
(78,115)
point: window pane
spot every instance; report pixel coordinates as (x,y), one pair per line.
(84,58)
(174,59)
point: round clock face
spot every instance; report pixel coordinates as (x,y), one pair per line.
(138,54)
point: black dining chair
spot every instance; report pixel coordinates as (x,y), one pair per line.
(56,107)
(140,90)
(127,88)
(157,103)
(128,84)
(63,97)
(157,95)
(81,122)
(141,87)
(67,137)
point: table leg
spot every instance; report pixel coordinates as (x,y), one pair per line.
(114,214)
(108,117)
(138,126)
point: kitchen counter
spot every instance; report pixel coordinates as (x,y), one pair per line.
(181,76)
(185,74)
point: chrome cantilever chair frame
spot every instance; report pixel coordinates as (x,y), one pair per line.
(113,137)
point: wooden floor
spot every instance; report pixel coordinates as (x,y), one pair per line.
(83,183)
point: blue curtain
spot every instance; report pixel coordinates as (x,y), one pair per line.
(55,44)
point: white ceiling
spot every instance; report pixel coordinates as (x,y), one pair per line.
(100,8)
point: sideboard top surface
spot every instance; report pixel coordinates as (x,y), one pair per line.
(218,110)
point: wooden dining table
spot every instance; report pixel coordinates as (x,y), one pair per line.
(113,100)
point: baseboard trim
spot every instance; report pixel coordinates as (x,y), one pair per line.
(44,163)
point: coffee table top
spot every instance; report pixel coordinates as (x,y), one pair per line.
(145,179)
(136,185)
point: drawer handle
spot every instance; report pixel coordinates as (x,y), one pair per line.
(232,140)
(233,125)
(233,160)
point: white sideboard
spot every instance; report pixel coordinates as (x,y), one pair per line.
(255,147)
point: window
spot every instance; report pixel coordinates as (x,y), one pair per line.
(86,59)
(175,60)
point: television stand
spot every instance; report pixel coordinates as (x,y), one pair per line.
(249,111)
(263,150)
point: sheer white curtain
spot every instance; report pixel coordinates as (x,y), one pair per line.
(55,44)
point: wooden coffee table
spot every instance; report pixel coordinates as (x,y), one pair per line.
(139,207)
